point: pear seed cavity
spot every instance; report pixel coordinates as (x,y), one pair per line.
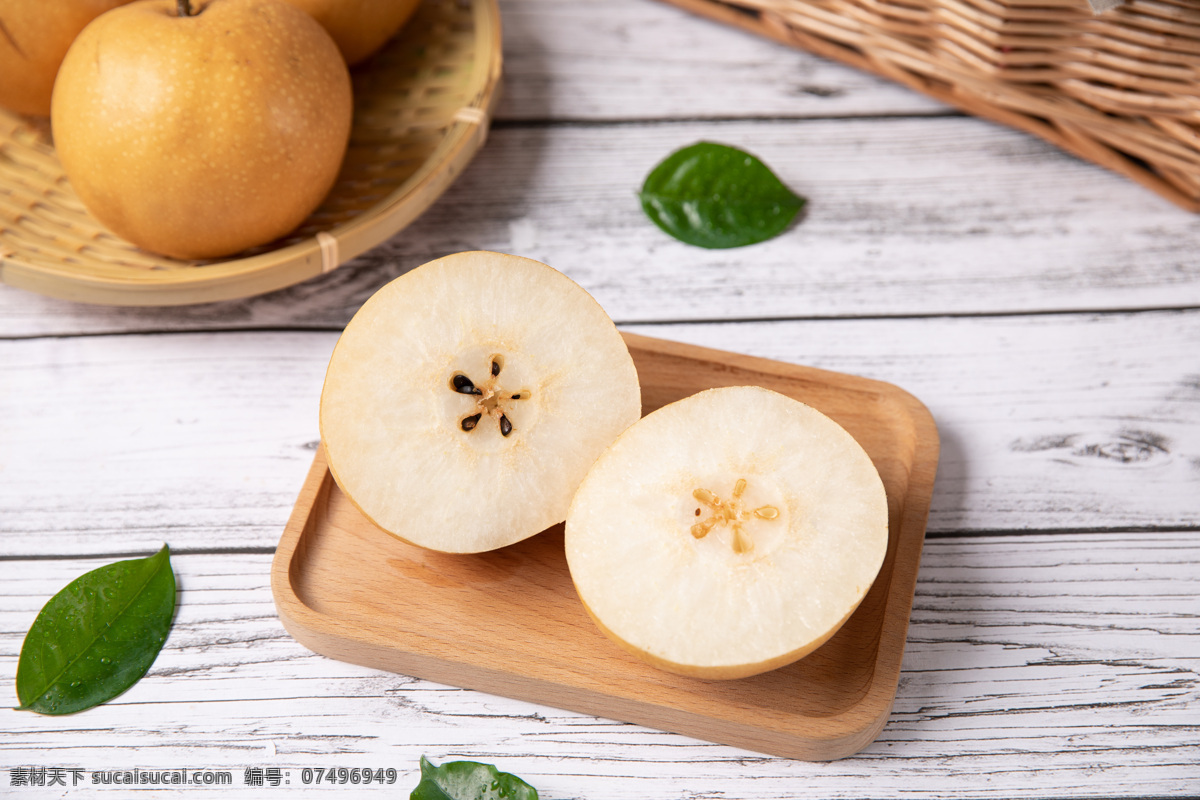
(463,385)
(731,512)
(493,399)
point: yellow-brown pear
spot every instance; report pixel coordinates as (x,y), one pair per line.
(360,27)
(199,130)
(34,37)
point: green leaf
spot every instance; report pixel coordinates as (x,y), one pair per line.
(469,780)
(98,636)
(715,196)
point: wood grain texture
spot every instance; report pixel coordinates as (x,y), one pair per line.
(905,217)
(629,60)
(346,589)
(155,438)
(1052,653)
(110,444)
(1038,665)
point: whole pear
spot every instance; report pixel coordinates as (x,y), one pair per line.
(34,37)
(360,27)
(199,131)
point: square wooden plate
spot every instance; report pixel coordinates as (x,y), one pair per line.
(509,622)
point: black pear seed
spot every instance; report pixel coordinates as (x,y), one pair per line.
(469,423)
(463,385)
(495,368)
(505,426)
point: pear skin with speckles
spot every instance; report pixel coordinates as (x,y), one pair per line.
(34,37)
(200,136)
(360,27)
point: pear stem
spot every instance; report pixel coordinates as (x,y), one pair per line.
(184,7)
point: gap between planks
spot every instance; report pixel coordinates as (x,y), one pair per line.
(650,323)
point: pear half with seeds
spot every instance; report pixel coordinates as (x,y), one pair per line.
(728,533)
(466,400)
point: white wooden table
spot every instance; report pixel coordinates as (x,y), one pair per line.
(1046,311)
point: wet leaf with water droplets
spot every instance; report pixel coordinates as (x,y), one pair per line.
(469,780)
(98,636)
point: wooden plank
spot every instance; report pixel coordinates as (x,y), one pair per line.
(632,59)
(129,440)
(935,216)
(1038,661)
(109,444)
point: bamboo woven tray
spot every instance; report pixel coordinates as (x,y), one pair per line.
(421,110)
(509,622)
(1121,89)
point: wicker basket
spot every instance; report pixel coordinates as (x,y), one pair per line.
(1120,88)
(422,108)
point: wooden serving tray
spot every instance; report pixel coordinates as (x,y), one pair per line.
(509,622)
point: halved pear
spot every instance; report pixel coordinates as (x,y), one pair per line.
(466,400)
(727,534)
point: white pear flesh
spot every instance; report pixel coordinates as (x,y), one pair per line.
(727,534)
(392,422)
